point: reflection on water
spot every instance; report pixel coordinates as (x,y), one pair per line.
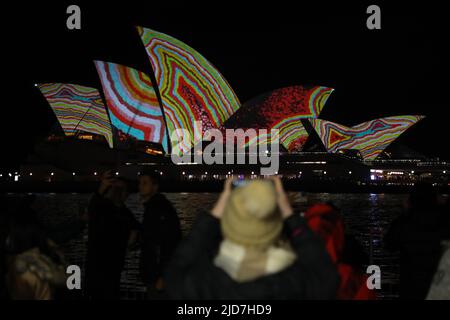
(366,217)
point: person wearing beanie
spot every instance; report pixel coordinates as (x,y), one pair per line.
(251,226)
(236,251)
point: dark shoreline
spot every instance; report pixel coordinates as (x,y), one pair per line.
(214,186)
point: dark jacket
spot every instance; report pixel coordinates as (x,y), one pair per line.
(161,236)
(417,235)
(193,275)
(108,231)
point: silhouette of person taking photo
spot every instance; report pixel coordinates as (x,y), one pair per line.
(161,233)
(112,228)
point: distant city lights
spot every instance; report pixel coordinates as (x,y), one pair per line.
(395,175)
(310,162)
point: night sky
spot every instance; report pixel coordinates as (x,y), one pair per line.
(396,70)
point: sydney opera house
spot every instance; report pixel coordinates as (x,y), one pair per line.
(129,122)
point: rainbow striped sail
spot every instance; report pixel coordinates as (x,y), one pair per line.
(78,108)
(132,102)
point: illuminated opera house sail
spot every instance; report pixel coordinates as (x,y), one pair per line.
(78,108)
(132,102)
(282,109)
(369,138)
(189,90)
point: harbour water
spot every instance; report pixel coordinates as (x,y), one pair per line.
(366,217)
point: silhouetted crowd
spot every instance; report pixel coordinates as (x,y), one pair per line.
(251,245)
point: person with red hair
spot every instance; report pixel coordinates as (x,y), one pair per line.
(325,220)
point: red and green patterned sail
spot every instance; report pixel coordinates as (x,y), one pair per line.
(191,88)
(282,109)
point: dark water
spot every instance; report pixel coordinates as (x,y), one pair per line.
(366,217)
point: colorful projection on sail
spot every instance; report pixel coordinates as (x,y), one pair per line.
(132,102)
(191,88)
(78,108)
(282,109)
(370,137)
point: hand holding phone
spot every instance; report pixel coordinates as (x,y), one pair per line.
(219,207)
(237,183)
(282,199)
(107,181)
